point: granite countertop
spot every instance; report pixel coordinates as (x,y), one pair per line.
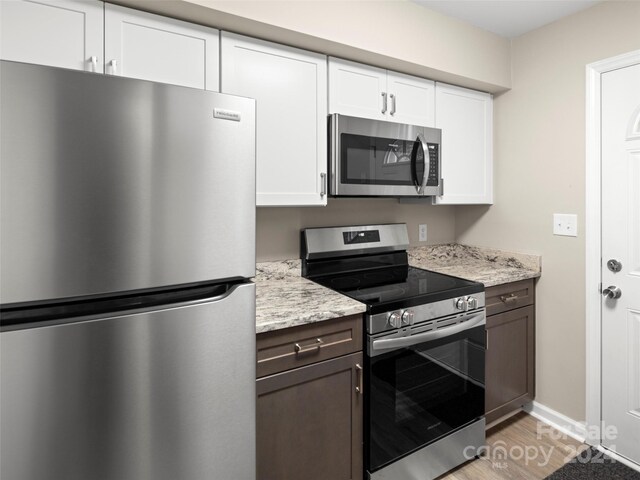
(285,299)
(485,265)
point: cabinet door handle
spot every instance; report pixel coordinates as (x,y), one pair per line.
(93,60)
(393,104)
(384,102)
(309,348)
(486,337)
(359,388)
(512,297)
(323,184)
(114,67)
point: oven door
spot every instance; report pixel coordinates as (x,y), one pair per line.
(375,158)
(422,387)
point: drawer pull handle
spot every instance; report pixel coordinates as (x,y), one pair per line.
(512,297)
(309,348)
(359,388)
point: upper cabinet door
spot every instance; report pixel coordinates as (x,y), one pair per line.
(363,91)
(466,119)
(290,87)
(160,49)
(59,33)
(357,90)
(411,100)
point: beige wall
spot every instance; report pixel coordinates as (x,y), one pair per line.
(540,170)
(278,229)
(395,34)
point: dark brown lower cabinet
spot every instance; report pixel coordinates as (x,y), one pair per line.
(510,356)
(309,422)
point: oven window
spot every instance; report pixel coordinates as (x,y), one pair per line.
(378,161)
(423,392)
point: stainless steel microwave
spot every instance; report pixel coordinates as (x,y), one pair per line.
(373,158)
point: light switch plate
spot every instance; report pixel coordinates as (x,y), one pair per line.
(565,224)
(422,232)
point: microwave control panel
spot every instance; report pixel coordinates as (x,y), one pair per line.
(434,175)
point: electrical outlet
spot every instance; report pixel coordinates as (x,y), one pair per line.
(422,232)
(565,224)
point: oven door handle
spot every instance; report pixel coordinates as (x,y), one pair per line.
(386,344)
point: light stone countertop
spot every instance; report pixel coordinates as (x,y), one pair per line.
(285,299)
(485,265)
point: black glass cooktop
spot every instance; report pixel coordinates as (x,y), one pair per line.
(397,287)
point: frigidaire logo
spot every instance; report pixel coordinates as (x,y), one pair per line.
(226,114)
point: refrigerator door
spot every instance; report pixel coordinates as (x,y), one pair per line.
(110,184)
(158,395)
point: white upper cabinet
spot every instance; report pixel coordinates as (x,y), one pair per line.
(466,119)
(290,87)
(357,90)
(58,33)
(152,47)
(363,91)
(411,99)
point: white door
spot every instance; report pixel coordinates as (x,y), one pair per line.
(358,90)
(58,33)
(466,119)
(160,49)
(621,242)
(290,87)
(411,100)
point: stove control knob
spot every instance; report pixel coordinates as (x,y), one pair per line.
(395,320)
(407,317)
(461,304)
(472,302)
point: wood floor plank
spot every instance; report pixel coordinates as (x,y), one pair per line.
(520,448)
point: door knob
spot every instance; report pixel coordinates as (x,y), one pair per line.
(612,292)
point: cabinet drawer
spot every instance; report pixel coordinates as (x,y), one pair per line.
(502,298)
(294,347)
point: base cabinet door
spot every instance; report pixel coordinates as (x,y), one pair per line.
(57,33)
(309,422)
(160,49)
(509,362)
(290,87)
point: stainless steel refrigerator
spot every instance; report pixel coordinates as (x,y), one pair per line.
(127,239)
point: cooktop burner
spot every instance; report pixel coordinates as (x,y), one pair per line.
(398,287)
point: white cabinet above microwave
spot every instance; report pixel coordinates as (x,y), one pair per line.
(364,91)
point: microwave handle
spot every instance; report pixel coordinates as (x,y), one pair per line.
(386,344)
(422,143)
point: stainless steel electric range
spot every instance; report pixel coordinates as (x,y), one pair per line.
(425,349)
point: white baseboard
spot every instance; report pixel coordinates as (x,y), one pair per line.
(557,420)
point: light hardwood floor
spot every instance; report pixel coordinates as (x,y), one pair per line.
(519,448)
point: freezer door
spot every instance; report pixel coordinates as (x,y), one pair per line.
(110,184)
(161,395)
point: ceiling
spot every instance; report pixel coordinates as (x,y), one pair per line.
(509,18)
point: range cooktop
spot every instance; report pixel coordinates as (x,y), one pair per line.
(398,287)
